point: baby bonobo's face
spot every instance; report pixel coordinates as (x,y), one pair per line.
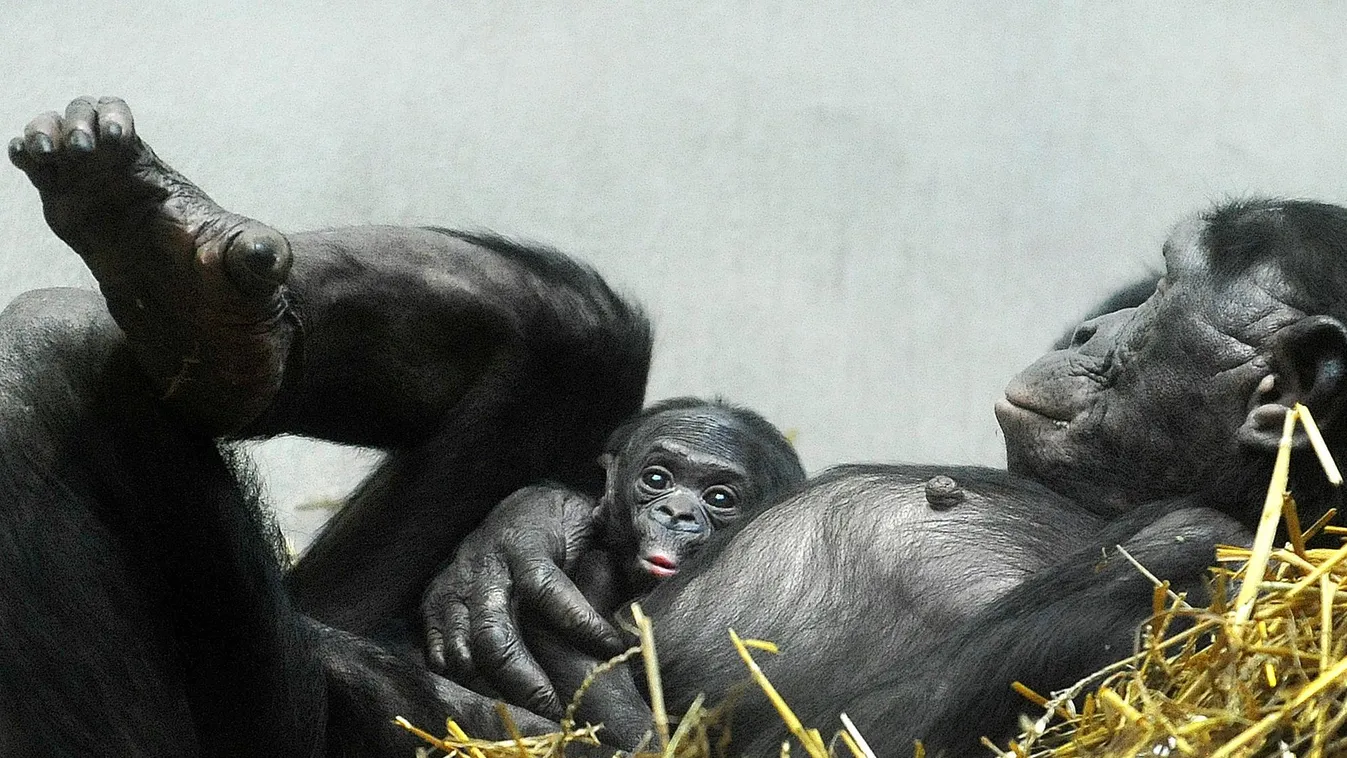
(682,476)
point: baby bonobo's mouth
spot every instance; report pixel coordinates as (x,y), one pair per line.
(659,565)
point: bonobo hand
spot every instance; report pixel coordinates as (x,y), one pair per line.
(516,559)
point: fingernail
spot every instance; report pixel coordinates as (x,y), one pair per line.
(114,130)
(43,143)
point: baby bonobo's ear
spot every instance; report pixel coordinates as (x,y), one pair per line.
(609,463)
(1308,365)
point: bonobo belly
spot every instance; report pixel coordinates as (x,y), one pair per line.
(859,573)
(951,540)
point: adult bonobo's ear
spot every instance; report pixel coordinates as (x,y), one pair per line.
(1308,365)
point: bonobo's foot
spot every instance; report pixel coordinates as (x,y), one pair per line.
(198,290)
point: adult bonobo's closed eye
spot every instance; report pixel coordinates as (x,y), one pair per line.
(678,473)
(1130,296)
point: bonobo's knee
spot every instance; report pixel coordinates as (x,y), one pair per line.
(56,344)
(1195,526)
(55,316)
(1180,546)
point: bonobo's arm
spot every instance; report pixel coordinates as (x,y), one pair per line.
(1066,622)
(486,366)
(613,699)
(516,560)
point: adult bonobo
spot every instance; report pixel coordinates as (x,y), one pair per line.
(142,609)
(1154,430)
(678,475)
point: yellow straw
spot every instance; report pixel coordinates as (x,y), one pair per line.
(1267,524)
(462,736)
(809,738)
(1317,442)
(853,737)
(652,674)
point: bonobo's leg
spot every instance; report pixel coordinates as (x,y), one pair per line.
(1058,626)
(141,607)
(370,687)
(482,365)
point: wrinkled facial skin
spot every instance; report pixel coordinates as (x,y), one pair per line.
(679,479)
(1146,401)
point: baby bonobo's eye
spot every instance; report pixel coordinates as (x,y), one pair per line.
(720,496)
(655,479)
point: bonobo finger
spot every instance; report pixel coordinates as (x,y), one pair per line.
(115,122)
(42,134)
(456,658)
(513,671)
(81,125)
(434,648)
(446,625)
(547,591)
(505,661)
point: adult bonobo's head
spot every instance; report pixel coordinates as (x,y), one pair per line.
(1187,392)
(683,469)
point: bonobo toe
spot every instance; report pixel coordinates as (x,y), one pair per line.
(258,260)
(16,153)
(80,141)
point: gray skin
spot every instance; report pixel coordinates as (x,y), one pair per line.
(680,479)
(1154,429)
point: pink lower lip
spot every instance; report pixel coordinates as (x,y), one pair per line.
(659,566)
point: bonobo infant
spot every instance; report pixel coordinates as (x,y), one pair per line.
(678,474)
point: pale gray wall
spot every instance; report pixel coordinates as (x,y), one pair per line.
(859,218)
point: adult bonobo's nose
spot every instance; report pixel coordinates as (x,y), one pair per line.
(680,512)
(1099,335)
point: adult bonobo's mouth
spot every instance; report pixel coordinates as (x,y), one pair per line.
(1028,404)
(659,565)
(1055,389)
